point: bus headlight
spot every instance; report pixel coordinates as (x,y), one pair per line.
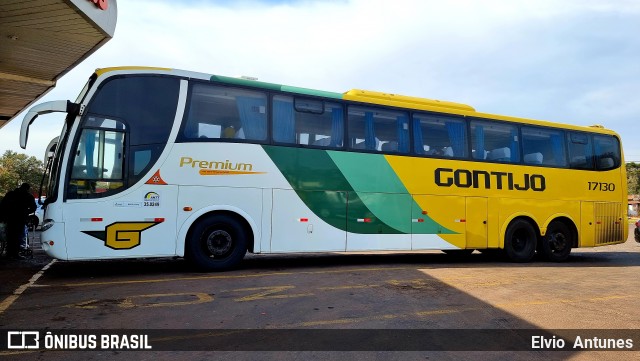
(48,223)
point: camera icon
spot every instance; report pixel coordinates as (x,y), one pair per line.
(23,340)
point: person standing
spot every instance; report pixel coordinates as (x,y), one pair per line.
(15,209)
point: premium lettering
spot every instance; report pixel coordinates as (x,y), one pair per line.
(218,165)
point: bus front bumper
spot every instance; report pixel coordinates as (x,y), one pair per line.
(53,240)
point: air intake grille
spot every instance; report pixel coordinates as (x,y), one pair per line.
(608,223)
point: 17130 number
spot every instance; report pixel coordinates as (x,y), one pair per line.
(602,186)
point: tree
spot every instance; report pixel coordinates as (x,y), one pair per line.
(16,169)
(633,178)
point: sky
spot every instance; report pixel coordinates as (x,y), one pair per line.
(569,61)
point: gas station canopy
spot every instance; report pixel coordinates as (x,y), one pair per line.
(42,40)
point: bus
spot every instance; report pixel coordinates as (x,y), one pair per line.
(155,162)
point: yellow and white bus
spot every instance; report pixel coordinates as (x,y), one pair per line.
(155,162)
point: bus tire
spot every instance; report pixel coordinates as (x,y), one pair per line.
(556,244)
(520,241)
(216,242)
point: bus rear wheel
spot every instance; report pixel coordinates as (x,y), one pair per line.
(520,241)
(556,244)
(216,242)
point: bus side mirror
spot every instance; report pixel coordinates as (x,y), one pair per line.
(57,106)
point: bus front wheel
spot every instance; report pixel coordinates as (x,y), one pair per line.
(216,242)
(520,241)
(556,244)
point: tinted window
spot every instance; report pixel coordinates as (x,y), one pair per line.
(134,113)
(141,159)
(607,152)
(380,130)
(580,151)
(217,112)
(493,141)
(543,146)
(307,122)
(97,168)
(439,136)
(147,104)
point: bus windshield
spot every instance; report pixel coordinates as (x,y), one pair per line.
(123,131)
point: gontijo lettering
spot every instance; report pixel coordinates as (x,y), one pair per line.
(463,178)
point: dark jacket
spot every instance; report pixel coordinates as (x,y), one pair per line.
(16,206)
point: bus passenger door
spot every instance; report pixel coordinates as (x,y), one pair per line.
(308,221)
(476,222)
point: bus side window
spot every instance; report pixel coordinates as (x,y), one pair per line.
(580,151)
(607,152)
(307,122)
(494,141)
(217,112)
(543,146)
(378,130)
(440,136)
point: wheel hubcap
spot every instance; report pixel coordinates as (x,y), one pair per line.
(557,241)
(219,243)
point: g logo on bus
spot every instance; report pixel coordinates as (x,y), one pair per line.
(122,235)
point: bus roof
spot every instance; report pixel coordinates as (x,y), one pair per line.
(357,95)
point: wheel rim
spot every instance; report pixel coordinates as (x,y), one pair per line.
(218,243)
(557,242)
(520,241)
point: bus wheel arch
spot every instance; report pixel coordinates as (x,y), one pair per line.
(560,236)
(218,240)
(521,239)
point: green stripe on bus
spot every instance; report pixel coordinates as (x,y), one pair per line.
(245,82)
(323,188)
(382,192)
(276,87)
(377,186)
(366,181)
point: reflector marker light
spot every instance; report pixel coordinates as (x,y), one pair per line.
(303,219)
(157,220)
(417,220)
(93,219)
(364,220)
(460,220)
(425,212)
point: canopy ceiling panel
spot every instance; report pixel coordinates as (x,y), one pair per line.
(42,40)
